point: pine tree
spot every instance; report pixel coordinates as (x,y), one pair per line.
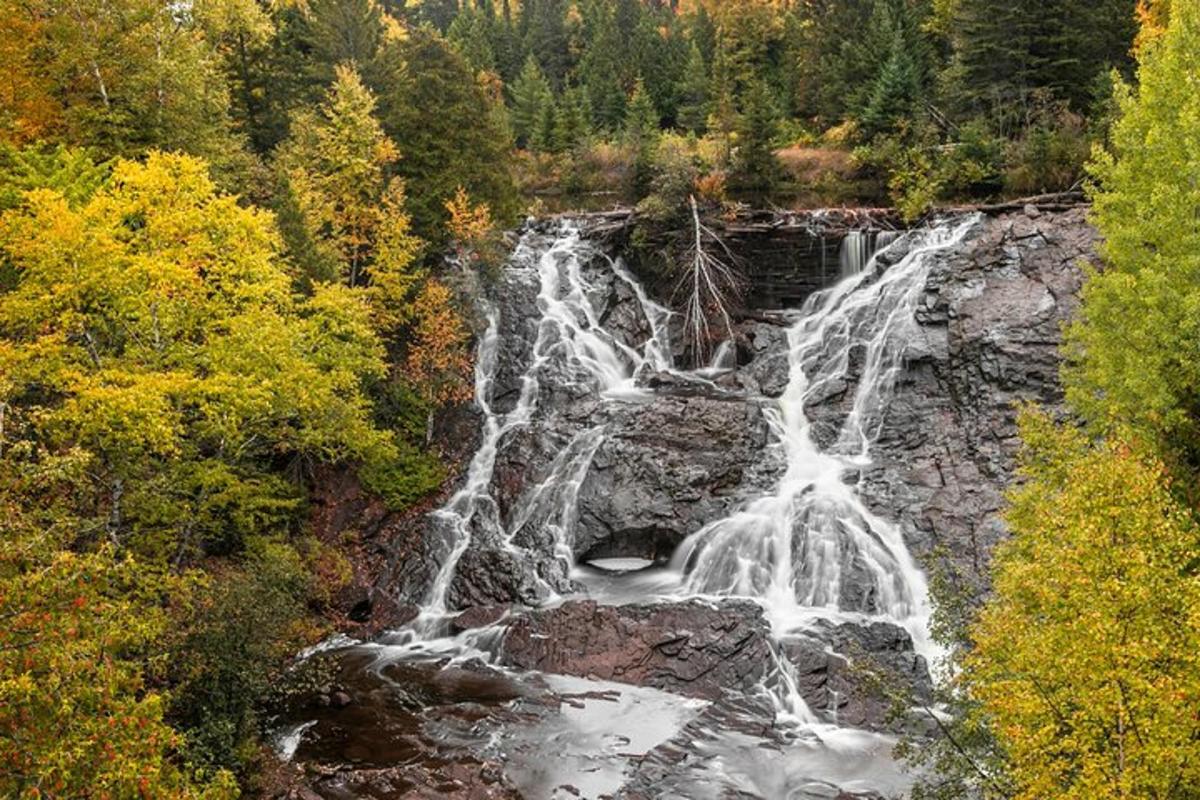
(529,93)
(694,93)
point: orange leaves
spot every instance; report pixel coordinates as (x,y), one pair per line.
(1153,16)
(27,107)
(468,223)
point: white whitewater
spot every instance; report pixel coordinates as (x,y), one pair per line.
(570,337)
(791,550)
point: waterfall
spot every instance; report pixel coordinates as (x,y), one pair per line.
(812,549)
(858,247)
(571,346)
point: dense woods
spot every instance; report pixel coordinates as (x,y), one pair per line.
(222,225)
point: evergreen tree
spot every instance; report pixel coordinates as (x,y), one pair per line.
(470,35)
(571,119)
(430,100)
(544,25)
(659,54)
(541,138)
(1004,54)
(642,132)
(694,93)
(895,90)
(755,166)
(529,93)
(602,71)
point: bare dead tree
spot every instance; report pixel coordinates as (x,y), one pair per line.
(709,287)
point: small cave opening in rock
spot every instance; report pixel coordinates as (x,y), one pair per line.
(631,550)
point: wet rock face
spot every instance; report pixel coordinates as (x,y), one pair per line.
(840,669)
(698,649)
(689,648)
(990,328)
(665,469)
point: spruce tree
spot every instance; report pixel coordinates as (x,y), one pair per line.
(529,93)
(541,136)
(544,24)
(433,103)
(601,71)
(694,93)
(470,35)
(894,91)
(756,166)
(571,120)
(1005,53)
(642,134)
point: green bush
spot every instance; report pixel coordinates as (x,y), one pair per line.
(1049,154)
(234,637)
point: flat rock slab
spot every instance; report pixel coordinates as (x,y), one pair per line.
(690,648)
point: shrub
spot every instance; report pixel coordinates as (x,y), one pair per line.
(1049,154)
(234,636)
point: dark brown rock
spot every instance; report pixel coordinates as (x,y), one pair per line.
(690,648)
(478,617)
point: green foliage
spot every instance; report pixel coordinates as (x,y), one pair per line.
(529,93)
(898,85)
(71,172)
(127,76)
(1049,154)
(432,102)
(1004,54)
(755,166)
(334,164)
(572,120)
(401,481)
(232,641)
(77,718)
(641,134)
(675,172)
(694,93)
(1133,350)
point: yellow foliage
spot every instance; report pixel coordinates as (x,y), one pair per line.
(439,360)
(1087,659)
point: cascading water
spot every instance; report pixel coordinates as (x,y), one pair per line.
(568,376)
(793,549)
(572,341)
